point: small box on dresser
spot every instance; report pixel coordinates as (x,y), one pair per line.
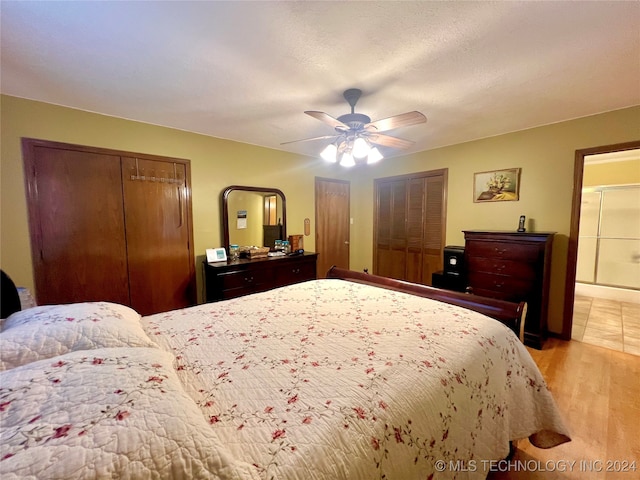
(512,266)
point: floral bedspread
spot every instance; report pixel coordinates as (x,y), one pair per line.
(106,413)
(336,380)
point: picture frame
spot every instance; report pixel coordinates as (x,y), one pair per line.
(216,255)
(497,185)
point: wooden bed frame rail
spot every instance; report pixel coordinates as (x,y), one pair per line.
(509,313)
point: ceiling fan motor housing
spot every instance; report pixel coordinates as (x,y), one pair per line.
(355,121)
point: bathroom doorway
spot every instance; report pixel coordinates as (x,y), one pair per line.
(606,303)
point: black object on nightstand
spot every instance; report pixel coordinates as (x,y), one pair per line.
(452,276)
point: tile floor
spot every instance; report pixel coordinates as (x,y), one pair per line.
(607,323)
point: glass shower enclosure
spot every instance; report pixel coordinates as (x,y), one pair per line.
(609,237)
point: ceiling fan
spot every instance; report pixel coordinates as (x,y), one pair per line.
(357,136)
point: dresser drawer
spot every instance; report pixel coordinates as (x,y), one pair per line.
(296,272)
(520,252)
(245,276)
(503,287)
(500,266)
(243,279)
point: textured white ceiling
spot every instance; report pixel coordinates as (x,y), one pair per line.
(246,71)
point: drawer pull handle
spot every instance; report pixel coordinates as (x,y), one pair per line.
(501,251)
(499,267)
(498,284)
(248,279)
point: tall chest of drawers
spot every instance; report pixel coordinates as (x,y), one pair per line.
(512,266)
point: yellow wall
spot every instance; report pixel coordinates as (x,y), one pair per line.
(215,164)
(545,155)
(615,173)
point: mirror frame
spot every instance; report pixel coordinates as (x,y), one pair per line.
(225,208)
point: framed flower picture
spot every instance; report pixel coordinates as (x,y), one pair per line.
(496,186)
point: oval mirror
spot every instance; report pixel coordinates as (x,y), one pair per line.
(253,216)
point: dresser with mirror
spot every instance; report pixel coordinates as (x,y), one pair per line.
(254,217)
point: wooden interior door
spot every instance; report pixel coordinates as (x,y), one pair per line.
(157,225)
(332,223)
(76,221)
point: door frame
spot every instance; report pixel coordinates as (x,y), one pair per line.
(572,253)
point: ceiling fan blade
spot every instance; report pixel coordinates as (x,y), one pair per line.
(397,121)
(328,119)
(324,137)
(388,141)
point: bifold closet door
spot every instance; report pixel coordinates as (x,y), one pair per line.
(435,215)
(410,219)
(157,225)
(77,226)
(390,238)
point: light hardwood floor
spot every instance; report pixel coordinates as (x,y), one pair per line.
(598,393)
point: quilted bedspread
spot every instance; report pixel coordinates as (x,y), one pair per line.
(336,380)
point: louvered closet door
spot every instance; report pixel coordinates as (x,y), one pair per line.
(157,225)
(415,228)
(390,235)
(77,225)
(434,226)
(409,226)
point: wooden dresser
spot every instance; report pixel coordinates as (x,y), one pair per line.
(512,266)
(226,280)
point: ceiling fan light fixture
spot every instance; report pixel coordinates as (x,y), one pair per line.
(356,136)
(374,156)
(347,160)
(330,153)
(361,148)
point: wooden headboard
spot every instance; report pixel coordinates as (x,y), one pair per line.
(510,313)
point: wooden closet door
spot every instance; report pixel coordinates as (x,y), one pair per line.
(434,225)
(157,225)
(77,225)
(409,225)
(416,194)
(390,240)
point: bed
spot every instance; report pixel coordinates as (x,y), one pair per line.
(349,377)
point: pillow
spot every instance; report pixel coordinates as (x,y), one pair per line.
(72,311)
(107,413)
(44,332)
